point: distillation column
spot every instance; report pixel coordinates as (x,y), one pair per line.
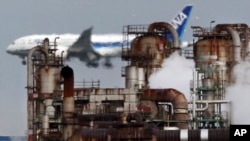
(215,53)
(43,79)
(146,51)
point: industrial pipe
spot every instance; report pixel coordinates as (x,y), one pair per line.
(68,101)
(169,27)
(55,45)
(206,102)
(236,43)
(236,39)
(178,100)
(199,109)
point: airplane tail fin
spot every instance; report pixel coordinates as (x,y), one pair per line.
(180,21)
(83,49)
(84,41)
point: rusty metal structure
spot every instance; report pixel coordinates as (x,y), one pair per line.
(59,111)
(216,51)
(147,50)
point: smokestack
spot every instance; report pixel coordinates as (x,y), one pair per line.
(68,75)
(68,101)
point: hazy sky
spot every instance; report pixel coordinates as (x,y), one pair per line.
(25,17)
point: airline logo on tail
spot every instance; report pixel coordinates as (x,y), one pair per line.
(180,20)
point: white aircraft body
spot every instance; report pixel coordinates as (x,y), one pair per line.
(90,48)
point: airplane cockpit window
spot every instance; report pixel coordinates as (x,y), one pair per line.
(13,43)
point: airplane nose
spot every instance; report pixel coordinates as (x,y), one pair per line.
(8,50)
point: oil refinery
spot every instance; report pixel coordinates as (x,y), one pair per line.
(61,112)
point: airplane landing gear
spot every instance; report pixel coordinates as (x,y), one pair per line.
(24,62)
(107,63)
(92,64)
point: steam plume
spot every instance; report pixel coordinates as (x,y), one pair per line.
(239,94)
(176,73)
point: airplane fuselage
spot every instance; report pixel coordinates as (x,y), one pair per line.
(87,47)
(110,47)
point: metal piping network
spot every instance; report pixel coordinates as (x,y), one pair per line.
(30,86)
(206,102)
(236,41)
(170,28)
(178,100)
(194,97)
(68,101)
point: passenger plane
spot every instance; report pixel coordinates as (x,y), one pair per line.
(87,47)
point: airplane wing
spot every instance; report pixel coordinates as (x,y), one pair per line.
(83,49)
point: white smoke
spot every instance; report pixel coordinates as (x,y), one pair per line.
(176,72)
(239,94)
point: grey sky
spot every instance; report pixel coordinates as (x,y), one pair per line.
(25,17)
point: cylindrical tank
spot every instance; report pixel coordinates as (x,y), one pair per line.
(45,124)
(131,76)
(49,109)
(208,94)
(141,77)
(208,83)
(217,52)
(148,51)
(219,49)
(49,77)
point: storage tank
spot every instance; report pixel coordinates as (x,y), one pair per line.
(217,53)
(49,77)
(209,94)
(141,77)
(148,50)
(131,76)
